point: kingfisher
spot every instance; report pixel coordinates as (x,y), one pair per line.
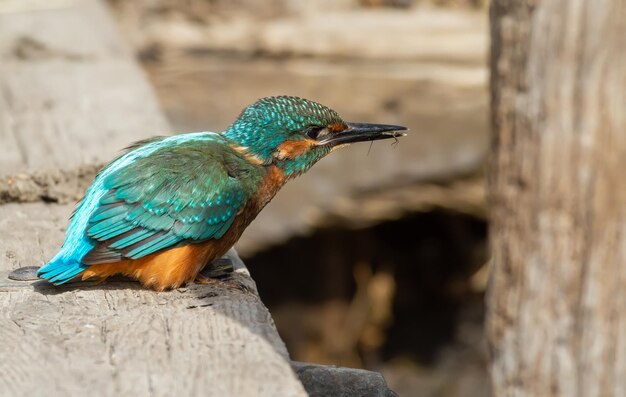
(169,206)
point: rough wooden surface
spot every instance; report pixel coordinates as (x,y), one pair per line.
(116,339)
(65,80)
(557,303)
(70,98)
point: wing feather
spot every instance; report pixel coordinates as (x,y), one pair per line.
(176,195)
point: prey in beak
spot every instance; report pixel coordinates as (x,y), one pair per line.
(362,132)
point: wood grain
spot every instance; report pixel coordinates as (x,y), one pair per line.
(116,339)
(557,303)
(69,92)
(70,97)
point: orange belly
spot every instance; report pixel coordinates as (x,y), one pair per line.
(161,270)
(177,266)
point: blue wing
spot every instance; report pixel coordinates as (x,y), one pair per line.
(173,197)
(165,193)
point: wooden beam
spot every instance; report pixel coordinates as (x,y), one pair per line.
(70,93)
(556,322)
(71,96)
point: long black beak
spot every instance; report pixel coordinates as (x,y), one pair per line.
(362,132)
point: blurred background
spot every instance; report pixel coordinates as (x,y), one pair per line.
(375,258)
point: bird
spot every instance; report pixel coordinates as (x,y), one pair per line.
(170,205)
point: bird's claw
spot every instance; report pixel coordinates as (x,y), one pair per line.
(227,283)
(217,273)
(219,268)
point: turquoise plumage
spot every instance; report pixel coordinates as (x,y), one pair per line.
(113,205)
(187,189)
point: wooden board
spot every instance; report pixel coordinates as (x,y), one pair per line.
(69,91)
(70,96)
(119,339)
(556,303)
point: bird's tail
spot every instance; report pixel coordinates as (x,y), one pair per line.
(61,269)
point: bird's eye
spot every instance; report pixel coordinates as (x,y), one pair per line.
(313,131)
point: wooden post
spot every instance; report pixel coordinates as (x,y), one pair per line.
(557,299)
(71,97)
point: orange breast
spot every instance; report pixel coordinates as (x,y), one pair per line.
(177,266)
(162,270)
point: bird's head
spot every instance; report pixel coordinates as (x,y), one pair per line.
(295,133)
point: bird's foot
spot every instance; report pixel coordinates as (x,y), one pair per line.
(219,268)
(220,282)
(218,273)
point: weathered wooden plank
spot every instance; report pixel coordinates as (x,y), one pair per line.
(556,304)
(69,93)
(116,339)
(119,339)
(30,234)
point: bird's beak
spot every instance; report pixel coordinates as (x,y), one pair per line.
(361,132)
